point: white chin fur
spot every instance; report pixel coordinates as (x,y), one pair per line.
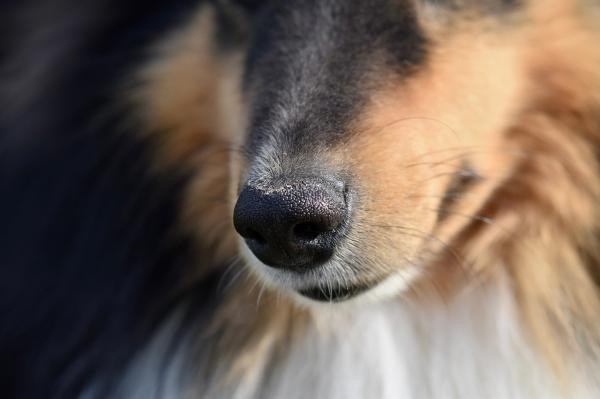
(470,347)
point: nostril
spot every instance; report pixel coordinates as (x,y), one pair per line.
(254,235)
(308,231)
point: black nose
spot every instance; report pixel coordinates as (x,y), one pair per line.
(293,224)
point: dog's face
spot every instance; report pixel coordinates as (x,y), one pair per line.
(376,136)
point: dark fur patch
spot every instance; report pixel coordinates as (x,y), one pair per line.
(88,245)
(462,180)
(341,51)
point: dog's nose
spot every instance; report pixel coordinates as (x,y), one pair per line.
(292,224)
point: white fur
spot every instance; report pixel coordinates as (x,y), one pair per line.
(472,347)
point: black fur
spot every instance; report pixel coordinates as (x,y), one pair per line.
(309,103)
(89,254)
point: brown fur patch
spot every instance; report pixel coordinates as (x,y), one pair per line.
(520,103)
(271,324)
(189,100)
(545,216)
(561,128)
(416,134)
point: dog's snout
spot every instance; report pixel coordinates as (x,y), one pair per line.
(293,224)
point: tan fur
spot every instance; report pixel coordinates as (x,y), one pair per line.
(188,99)
(270,324)
(415,134)
(561,127)
(520,104)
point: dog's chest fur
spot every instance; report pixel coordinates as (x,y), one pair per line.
(470,348)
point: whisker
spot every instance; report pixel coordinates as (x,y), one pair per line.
(255,283)
(450,195)
(233,264)
(380,129)
(476,218)
(413,232)
(472,150)
(263,287)
(462,172)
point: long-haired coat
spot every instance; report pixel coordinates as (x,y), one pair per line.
(300,199)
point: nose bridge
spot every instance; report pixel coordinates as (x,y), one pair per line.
(305,88)
(280,165)
(288,187)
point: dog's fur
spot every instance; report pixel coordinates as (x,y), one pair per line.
(469,133)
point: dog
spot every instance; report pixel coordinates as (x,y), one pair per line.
(303,198)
